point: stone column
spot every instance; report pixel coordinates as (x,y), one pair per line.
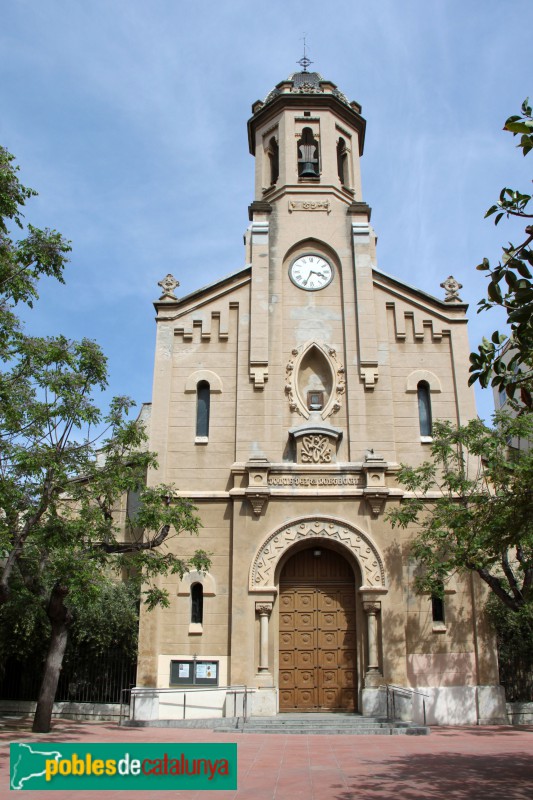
(373,673)
(264,610)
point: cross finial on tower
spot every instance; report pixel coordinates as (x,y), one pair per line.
(304,62)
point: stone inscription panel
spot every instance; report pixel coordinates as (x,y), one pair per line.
(303,481)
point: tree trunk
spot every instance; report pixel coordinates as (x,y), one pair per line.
(60,619)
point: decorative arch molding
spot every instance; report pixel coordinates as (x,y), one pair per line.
(337,375)
(423,375)
(207,581)
(215,384)
(311,244)
(359,544)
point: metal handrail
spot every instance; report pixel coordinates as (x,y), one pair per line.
(392,690)
(234,690)
(147,689)
(122,703)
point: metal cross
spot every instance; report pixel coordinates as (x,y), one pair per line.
(304,62)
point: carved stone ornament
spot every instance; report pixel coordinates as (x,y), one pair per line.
(451,287)
(168,285)
(257,499)
(323,529)
(263,609)
(309,205)
(376,499)
(376,490)
(259,375)
(371,607)
(315,450)
(307,88)
(297,403)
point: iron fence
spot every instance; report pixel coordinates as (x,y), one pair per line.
(84,679)
(516,675)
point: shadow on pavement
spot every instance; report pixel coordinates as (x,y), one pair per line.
(454,776)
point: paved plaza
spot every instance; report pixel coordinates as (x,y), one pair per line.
(478,763)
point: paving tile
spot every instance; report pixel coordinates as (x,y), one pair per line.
(452,763)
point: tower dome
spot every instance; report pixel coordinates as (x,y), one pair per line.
(307,83)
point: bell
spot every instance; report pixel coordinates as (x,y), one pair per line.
(308,170)
(308,162)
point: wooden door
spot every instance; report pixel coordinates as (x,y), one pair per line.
(317,634)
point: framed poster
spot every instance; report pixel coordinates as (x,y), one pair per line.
(193,673)
(206,673)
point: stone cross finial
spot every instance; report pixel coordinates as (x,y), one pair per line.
(168,285)
(451,287)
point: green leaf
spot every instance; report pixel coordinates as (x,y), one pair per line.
(494,292)
(524,126)
(523,270)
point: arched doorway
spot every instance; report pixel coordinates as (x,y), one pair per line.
(317,632)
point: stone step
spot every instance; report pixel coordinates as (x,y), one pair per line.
(358,731)
(328,724)
(294,724)
(342,723)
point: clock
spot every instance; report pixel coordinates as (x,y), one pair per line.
(311,272)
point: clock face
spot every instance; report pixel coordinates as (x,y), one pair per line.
(311,272)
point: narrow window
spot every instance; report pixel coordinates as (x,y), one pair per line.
(437,608)
(273,154)
(315,400)
(424,408)
(133,504)
(341,161)
(308,155)
(202,409)
(197,603)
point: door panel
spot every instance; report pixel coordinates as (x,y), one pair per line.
(317,653)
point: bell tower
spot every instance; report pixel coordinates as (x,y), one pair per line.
(306,138)
(310,243)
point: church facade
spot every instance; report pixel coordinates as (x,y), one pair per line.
(285,396)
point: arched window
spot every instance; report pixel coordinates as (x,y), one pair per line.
(197,603)
(202,408)
(424,408)
(308,155)
(437,608)
(273,154)
(342,161)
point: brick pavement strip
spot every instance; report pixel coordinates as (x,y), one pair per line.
(475,763)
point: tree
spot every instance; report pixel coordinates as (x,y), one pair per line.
(472,508)
(79,545)
(514,635)
(506,360)
(60,484)
(23,262)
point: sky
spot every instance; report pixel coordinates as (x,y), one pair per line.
(129,118)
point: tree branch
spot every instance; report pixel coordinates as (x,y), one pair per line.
(509,574)
(29,525)
(132,547)
(497,588)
